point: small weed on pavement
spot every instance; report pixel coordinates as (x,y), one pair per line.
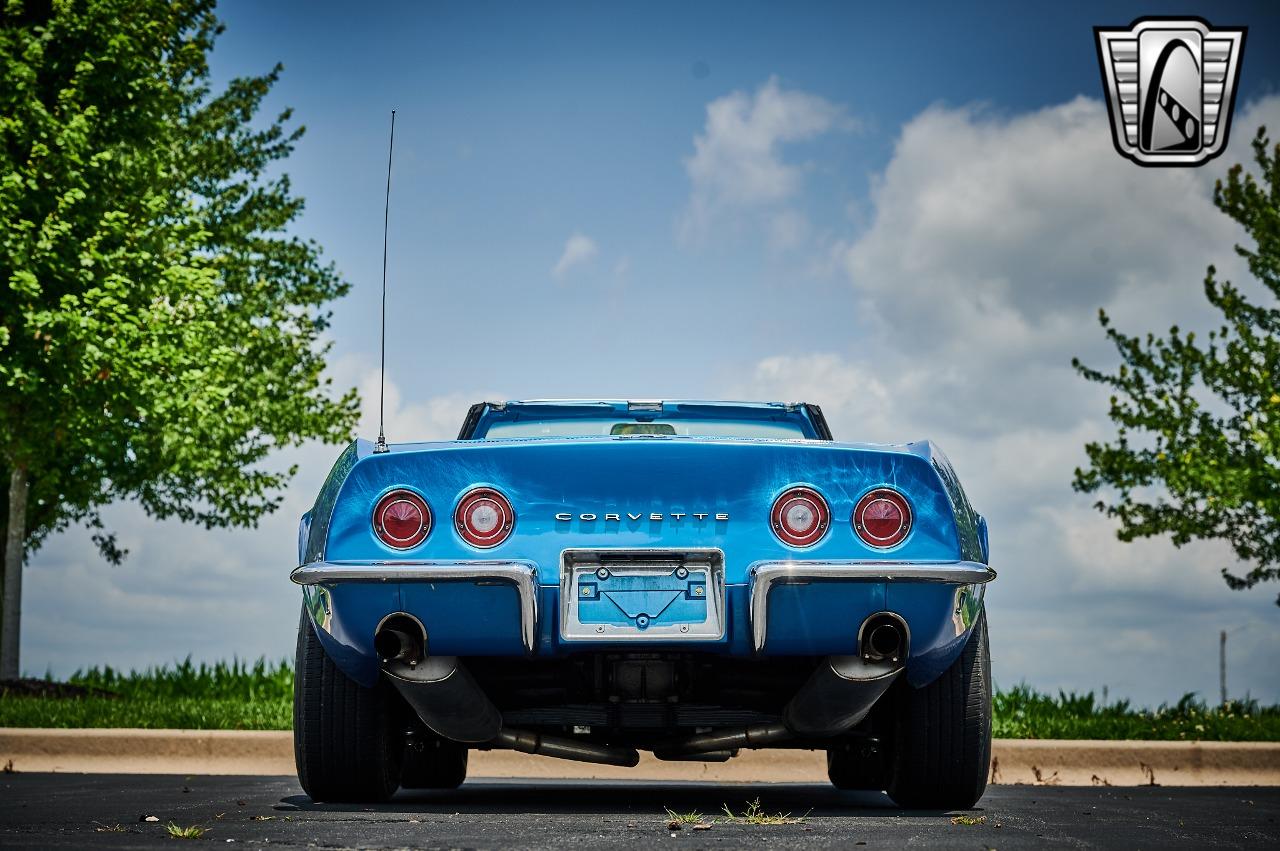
(194,831)
(969,821)
(676,821)
(755,814)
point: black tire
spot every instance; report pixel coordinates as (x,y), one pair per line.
(942,736)
(855,767)
(431,762)
(346,743)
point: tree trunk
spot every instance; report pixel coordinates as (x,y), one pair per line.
(14,550)
(4,526)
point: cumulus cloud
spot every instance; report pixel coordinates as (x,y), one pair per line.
(578,249)
(980,273)
(1019,221)
(738,165)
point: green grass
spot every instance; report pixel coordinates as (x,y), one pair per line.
(234,696)
(677,820)
(755,814)
(1023,713)
(237,680)
(259,696)
(177,831)
(188,713)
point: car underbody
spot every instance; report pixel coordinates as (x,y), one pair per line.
(689,580)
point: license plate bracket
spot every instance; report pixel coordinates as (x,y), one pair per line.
(642,595)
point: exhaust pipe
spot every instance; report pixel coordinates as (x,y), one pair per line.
(394,645)
(400,638)
(835,698)
(718,741)
(562,748)
(451,703)
(447,698)
(725,740)
(883,637)
(439,689)
(838,695)
(841,692)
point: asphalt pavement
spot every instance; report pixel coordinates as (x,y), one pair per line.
(114,811)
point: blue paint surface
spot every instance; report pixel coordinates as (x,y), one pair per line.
(657,492)
(643,600)
(635,479)
(820,618)
(465,618)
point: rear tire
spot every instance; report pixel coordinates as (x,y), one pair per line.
(431,762)
(854,768)
(942,736)
(345,741)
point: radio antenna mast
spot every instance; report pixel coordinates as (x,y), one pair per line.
(381,445)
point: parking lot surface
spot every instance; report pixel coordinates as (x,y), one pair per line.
(113,811)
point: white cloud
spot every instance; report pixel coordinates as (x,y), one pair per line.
(737,163)
(184,590)
(853,391)
(980,274)
(1020,222)
(578,249)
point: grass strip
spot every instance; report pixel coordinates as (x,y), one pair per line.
(185,713)
(1024,713)
(259,696)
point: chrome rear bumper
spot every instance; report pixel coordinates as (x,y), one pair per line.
(523,575)
(764,575)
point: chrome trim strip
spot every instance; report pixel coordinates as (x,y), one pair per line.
(521,574)
(765,574)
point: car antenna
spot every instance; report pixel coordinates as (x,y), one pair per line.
(381,445)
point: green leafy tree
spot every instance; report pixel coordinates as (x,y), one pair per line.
(1205,417)
(160,330)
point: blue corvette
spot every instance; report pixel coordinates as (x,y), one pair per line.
(588,579)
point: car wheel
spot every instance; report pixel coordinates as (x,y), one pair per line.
(345,742)
(942,736)
(431,762)
(855,767)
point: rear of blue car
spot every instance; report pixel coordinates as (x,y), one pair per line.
(586,580)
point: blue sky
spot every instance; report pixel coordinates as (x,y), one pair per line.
(520,124)
(909,215)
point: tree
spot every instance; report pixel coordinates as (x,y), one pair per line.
(1206,464)
(160,330)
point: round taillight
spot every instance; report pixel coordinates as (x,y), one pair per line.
(401,519)
(800,517)
(882,518)
(484,518)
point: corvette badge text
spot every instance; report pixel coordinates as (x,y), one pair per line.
(1171,86)
(675,516)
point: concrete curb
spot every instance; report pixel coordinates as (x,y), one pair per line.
(1044,762)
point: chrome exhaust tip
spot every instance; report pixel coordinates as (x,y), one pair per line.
(883,637)
(400,638)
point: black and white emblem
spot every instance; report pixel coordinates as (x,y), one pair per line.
(1171,85)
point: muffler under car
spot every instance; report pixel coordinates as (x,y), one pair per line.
(449,701)
(837,696)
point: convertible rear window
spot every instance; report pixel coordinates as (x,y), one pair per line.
(586,427)
(642,428)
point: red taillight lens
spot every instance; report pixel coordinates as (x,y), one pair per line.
(401,519)
(800,517)
(882,518)
(484,518)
